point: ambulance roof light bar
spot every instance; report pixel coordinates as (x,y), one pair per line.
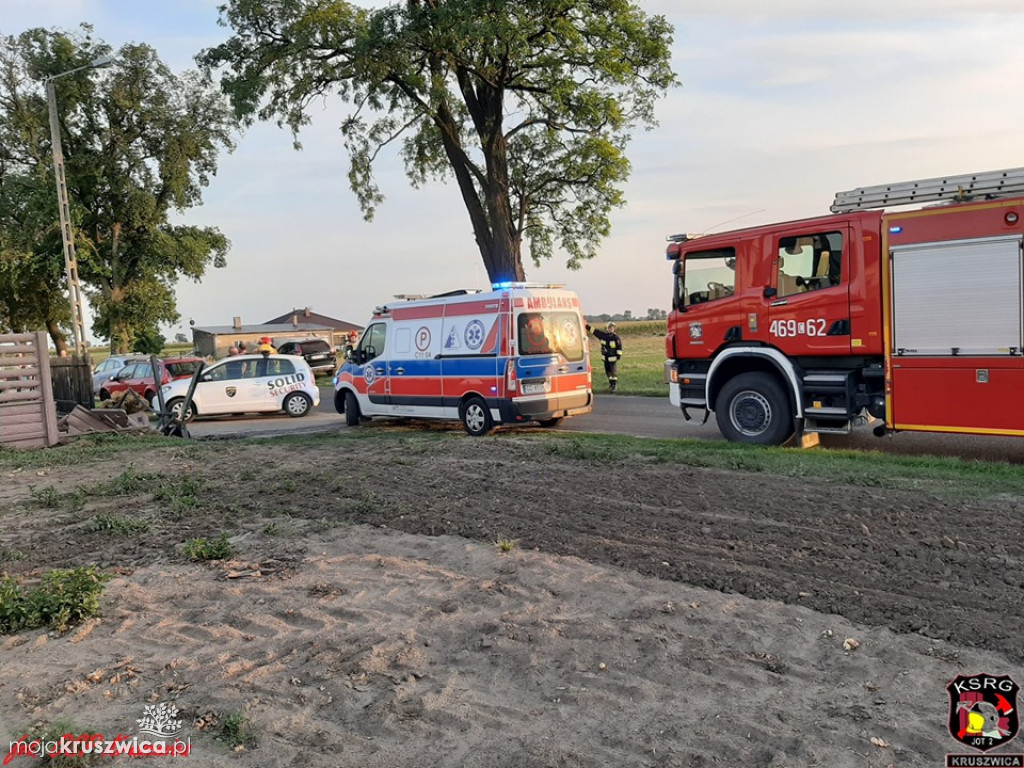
(506,284)
(970,186)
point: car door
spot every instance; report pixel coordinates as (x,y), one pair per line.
(373,368)
(121,380)
(141,379)
(232,386)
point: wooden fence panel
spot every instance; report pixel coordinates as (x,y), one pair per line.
(28,416)
(72,383)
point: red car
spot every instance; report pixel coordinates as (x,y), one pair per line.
(139,377)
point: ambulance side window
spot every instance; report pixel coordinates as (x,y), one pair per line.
(373,341)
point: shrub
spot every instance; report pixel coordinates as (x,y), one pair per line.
(61,600)
(205,549)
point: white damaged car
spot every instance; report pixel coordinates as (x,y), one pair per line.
(246,384)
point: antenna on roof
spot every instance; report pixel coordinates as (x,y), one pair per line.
(736,218)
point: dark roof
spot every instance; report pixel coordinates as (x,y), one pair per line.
(269,329)
(306,316)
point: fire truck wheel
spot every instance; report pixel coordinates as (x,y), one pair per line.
(476,418)
(351,409)
(753,408)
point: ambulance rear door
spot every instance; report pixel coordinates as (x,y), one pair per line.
(552,356)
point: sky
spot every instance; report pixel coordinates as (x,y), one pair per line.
(780,105)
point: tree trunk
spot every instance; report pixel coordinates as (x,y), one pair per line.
(491,217)
(57,337)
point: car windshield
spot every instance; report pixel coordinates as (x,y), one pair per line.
(181,368)
(314,345)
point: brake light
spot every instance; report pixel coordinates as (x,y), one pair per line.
(510,376)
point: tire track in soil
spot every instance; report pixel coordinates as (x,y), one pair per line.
(906,560)
(915,562)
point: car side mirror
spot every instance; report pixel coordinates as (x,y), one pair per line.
(206,377)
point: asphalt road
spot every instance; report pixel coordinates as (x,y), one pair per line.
(641,417)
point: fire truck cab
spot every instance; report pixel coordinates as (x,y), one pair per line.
(912,317)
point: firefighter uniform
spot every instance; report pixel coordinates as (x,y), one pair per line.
(611,351)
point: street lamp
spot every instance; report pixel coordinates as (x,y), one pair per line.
(70,260)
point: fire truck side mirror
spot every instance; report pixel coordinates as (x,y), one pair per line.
(769,292)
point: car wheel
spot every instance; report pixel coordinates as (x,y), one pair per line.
(175,407)
(550,422)
(339,401)
(297,404)
(476,418)
(104,395)
(753,408)
(351,408)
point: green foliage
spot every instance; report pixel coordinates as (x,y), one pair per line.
(61,600)
(149,341)
(528,105)
(506,544)
(947,476)
(236,730)
(128,483)
(125,526)
(139,144)
(206,549)
(45,497)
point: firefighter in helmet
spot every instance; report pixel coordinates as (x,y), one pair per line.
(266,347)
(611,352)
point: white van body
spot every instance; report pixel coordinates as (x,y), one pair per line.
(514,354)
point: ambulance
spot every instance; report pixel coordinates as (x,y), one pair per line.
(512,355)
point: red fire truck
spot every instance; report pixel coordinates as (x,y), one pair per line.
(911,319)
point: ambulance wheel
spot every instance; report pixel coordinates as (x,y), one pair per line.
(753,408)
(351,409)
(476,418)
(550,422)
(297,404)
(175,407)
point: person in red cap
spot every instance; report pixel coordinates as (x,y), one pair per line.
(351,343)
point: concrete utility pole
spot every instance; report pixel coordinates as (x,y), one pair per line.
(67,234)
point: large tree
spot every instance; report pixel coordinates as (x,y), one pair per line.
(140,143)
(528,104)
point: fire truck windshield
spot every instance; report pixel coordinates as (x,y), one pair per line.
(706,276)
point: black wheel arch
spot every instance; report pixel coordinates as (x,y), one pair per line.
(749,362)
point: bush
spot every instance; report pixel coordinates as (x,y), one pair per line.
(205,549)
(61,600)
